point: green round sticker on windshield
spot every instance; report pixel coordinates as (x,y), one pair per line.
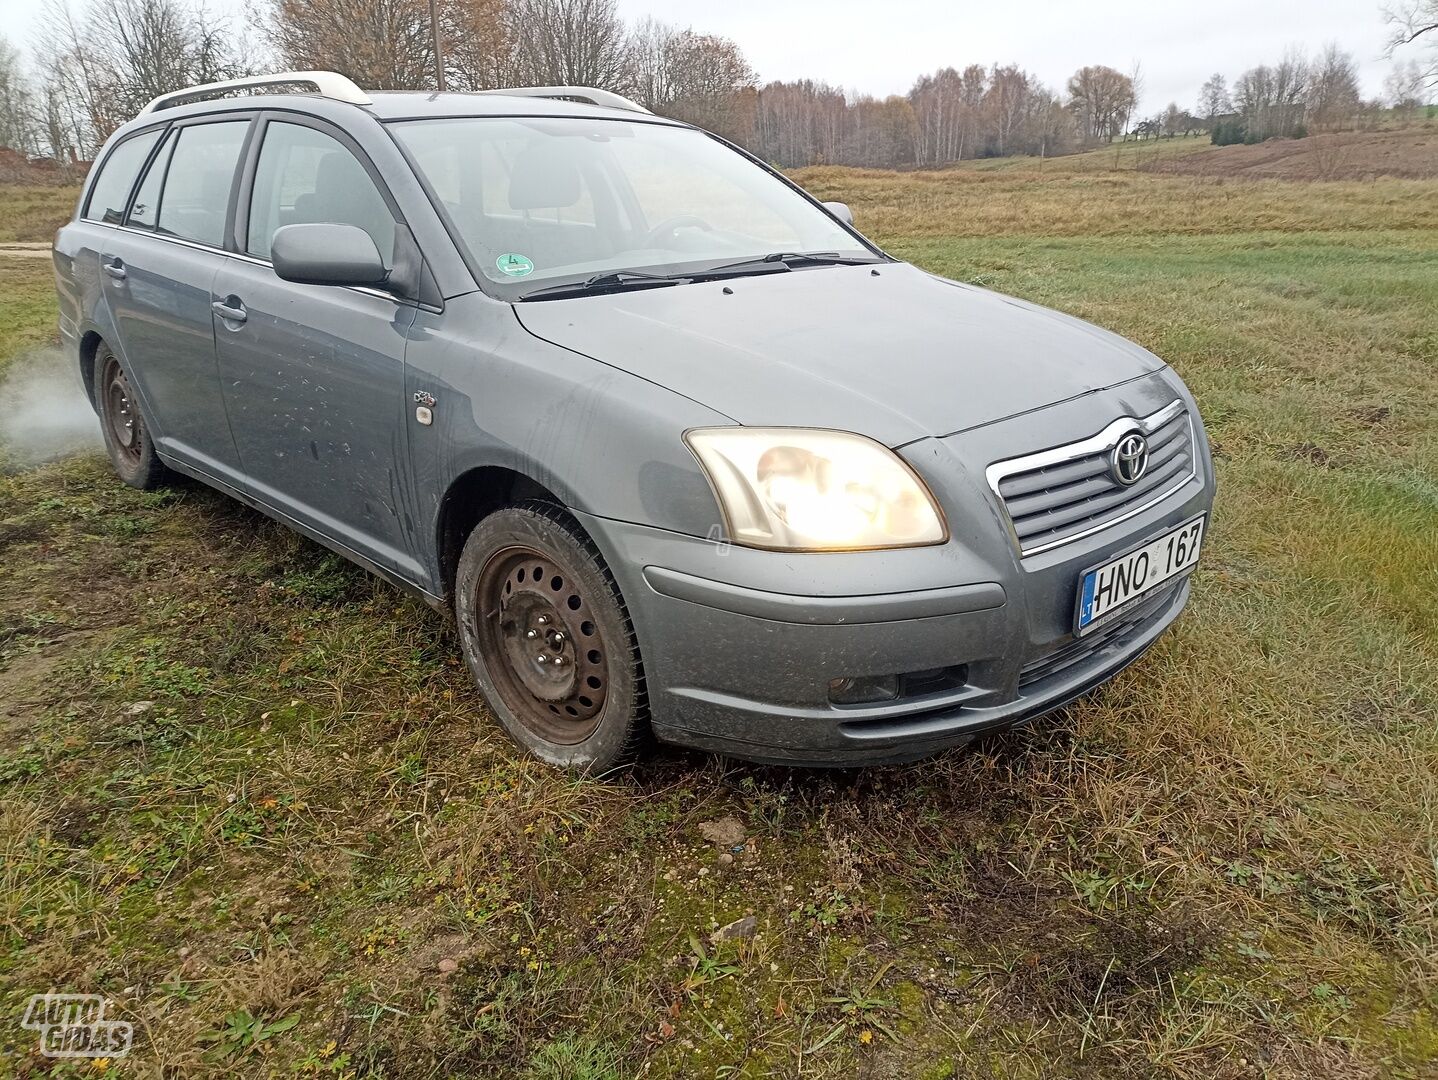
(514,265)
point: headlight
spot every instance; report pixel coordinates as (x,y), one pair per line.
(795,489)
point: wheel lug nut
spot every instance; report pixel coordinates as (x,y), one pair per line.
(541,658)
(543,620)
(558,637)
(531,634)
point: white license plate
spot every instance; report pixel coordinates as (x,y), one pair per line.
(1107,588)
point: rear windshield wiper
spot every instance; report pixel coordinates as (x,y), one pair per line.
(778,259)
(615,279)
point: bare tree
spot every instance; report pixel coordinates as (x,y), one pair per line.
(568,43)
(700,78)
(389,44)
(1405,89)
(1332,95)
(1100,99)
(380,44)
(17,119)
(1006,105)
(948,111)
(1273,99)
(478,48)
(1213,99)
(103,66)
(1411,21)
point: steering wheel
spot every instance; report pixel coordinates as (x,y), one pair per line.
(672,225)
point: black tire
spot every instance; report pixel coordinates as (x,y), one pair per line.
(548,640)
(127,438)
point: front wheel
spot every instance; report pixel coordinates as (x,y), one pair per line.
(127,439)
(547,638)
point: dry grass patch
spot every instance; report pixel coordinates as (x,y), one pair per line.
(32,213)
(969,203)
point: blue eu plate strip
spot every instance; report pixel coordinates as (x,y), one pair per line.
(1086,605)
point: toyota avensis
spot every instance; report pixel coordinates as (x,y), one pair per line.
(685,453)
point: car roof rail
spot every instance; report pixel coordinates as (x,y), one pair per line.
(589,94)
(328,84)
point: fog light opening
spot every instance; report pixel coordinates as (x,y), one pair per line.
(863,689)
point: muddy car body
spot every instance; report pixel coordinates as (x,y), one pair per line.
(685,452)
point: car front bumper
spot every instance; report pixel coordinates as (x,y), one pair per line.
(740,646)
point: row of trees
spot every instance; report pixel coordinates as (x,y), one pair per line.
(945,117)
(1286,99)
(101,65)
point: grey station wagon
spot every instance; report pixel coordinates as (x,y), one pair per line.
(685,453)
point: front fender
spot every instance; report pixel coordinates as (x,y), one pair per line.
(605,442)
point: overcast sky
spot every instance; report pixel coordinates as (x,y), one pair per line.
(879,46)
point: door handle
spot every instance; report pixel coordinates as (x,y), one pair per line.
(230,309)
(115,269)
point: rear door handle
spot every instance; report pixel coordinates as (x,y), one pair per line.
(230,309)
(115,268)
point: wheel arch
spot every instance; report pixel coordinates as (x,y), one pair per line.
(470,497)
(90,343)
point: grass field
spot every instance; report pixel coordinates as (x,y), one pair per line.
(247,792)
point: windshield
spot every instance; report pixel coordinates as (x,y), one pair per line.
(546,200)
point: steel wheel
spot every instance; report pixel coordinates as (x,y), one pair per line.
(535,616)
(127,439)
(547,638)
(124,422)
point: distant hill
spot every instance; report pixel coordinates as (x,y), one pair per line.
(1410,153)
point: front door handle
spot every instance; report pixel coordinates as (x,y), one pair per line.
(115,268)
(231,309)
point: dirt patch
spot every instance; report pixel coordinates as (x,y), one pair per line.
(1311,453)
(26,251)
(1371,414)
(1352,155)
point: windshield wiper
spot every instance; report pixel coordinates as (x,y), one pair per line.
(775,259)
(614,279)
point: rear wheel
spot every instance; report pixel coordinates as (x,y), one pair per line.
(127,439)
(547,638)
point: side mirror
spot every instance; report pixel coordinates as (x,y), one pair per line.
(327,255)
(840,211)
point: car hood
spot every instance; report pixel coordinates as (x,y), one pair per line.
(896,355)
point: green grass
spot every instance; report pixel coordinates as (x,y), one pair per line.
(29,310)
(247,792)
(32,214)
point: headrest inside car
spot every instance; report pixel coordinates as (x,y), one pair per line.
(545,176)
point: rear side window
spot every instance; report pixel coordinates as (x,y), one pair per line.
(117,176)
(305,177)
(197,183)
(147,199)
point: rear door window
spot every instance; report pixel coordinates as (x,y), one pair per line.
(305,177)
(197,184)
(111,190)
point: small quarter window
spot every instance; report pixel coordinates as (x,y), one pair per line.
(111,190)
(147,200)
(305,177)
(197,183)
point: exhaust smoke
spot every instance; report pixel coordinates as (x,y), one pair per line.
(44,412)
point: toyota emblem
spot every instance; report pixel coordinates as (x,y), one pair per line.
(1129,459)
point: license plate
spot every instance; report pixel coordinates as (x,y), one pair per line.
(1107,588)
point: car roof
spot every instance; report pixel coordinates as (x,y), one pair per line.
(418,104)
(390,105)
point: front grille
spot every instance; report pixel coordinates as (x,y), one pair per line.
(1079,650)
(1061,494)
